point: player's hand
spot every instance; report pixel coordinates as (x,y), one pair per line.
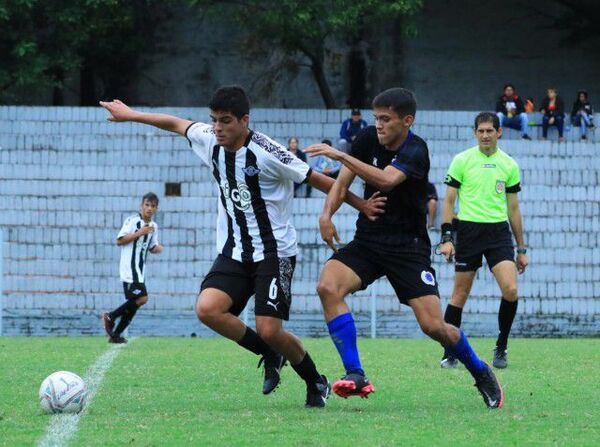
(374,207)
(157,249)
(329,232)
(522,263)
(324,149)
(118,110)
(447,250)
(145,230)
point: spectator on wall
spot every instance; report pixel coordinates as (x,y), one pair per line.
(511,111)
(350,129)
(553,111)
(325,165)
(300,189)
(582,114)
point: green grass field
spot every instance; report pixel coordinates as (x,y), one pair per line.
(176,391)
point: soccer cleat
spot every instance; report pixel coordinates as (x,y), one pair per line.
(500,358)
(117,339)
(526,137)
(272,365)
(316,397)
(353,385)
(449,362)
(490,389)
(108,324)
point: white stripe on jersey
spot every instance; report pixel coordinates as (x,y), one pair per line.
(256,186)
(133,255)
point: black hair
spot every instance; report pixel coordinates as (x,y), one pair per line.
(487,117)
(327,141)
(400,100)
(150,197)
(509,85)
(231,98)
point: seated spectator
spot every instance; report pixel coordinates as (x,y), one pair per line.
(553,110)
(432,199)
(582,114)
(300,189)
(511,111)
(325,165)
(350,129)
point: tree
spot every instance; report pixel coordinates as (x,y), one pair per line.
(42,43)
(580,19)
(307,27)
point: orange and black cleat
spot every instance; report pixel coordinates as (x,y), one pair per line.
(353,385)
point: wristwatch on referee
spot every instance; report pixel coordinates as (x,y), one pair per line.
(521,250)
(447,233)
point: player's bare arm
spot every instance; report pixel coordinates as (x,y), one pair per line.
(334,200)
(372,208)
(516,224)
(120,112)
(447,248)
(157,249)
(384,180)
(129,238)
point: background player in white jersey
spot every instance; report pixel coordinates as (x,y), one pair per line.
(256,240)
(138,236)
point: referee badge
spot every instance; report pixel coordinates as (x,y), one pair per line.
(500,186)
(428,278)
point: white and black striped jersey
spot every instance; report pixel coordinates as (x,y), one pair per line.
(134,254)
(256,186)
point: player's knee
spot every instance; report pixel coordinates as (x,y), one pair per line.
(327,290)
(510,293)
(434,329)
(206,313)
(141,301)
(270,333)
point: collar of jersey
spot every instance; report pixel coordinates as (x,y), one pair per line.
(409,138)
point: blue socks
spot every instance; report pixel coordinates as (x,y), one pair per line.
(464,352)
(343,334)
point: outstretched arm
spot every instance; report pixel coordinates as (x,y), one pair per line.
(120,112)
(334,200)
(384,180)
(371,208)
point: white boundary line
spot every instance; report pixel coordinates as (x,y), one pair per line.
(62,427)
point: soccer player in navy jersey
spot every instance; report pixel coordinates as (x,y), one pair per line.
(395,162)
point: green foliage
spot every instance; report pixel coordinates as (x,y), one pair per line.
(42,42)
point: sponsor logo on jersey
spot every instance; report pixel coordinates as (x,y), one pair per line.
(240,196)
(251,171)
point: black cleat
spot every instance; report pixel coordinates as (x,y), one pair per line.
(317,397)
(526,137)
(449,362)
(117,339)
(108,324)
(353,385)
(490,389)
(500,358)
(273,365)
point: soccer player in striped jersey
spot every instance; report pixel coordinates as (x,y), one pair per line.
(256,240)
(137,238)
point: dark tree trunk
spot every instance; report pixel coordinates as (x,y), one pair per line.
(357,71)
(319,75)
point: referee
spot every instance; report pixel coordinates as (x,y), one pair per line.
(486,181)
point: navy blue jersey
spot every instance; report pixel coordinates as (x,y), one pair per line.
(405,215)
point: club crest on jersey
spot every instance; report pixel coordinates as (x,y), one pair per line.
(251,171)
(500,186)
(428,278)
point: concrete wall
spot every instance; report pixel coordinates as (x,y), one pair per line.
(68,179)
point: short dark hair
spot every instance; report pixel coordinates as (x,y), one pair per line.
(509,85)
(487,117)
(327,141)
(400,100)
(231,98)
(150,197)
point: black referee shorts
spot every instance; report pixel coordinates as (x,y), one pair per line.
(408,270)
(475,240)
(270,280)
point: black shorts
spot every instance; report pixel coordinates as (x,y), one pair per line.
(134,290)
(408,270)
(475,240)
(270,280)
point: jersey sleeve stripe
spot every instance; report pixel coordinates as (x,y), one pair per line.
(187,130)
(514,188)
(308,174)
(451,181)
